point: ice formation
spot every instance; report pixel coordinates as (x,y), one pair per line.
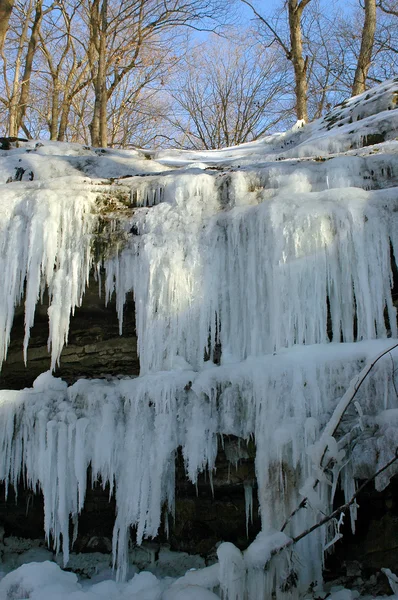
(261,293)
(45,245)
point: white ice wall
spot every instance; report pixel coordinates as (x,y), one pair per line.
(255,276)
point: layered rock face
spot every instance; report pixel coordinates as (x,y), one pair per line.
(178,336)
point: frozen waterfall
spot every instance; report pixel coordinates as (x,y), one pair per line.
(261,288)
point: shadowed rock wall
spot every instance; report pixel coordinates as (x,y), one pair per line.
(94,349)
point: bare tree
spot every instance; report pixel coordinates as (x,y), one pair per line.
(333,53)
(385,51)
(365,53)
(228,95)
(119,35)
(100,70)
(95,44)
(328,45)
(17,72)
(350,61)
(295,11)
(12,88)
(27,73)
(293,50)
(98,14)
(67,65)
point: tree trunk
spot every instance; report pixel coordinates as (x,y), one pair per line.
(63,122)
(94,125)
(71,89)
(33,41)
(365,53)
(294,53)
(12,118)
(6,7)
(67,99)
(98,126)
(103,99)
(54,110)
(13,107)
(295,10)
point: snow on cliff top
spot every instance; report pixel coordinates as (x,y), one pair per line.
(352,128)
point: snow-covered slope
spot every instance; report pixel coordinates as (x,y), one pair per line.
(263,283)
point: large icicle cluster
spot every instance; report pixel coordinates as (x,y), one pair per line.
(260,273)
(45,236)
(260,293)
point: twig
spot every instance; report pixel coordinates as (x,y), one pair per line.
(286,50)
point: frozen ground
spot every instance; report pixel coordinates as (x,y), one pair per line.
(263,283)
(41,579)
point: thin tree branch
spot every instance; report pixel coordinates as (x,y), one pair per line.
(286,50)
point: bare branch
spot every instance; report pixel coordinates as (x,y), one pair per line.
(286,50)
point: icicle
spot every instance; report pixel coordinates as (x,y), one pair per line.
(248,487)
(240,282)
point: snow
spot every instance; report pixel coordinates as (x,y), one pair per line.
(46,581)
(35,580)
(392,580)
(262,281)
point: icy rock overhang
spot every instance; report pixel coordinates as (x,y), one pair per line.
(272,260)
